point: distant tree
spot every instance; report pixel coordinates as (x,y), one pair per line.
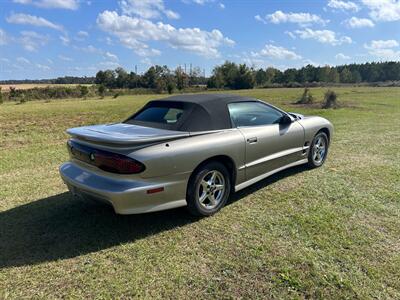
(149,78)
(244,78)
(100,77)
(289,75)
(323,74)
(133,80)
(345,76)
(1,96)
(260,77)
(310,73)
(122,78)
(355,76)
(229,72)
(194,76)
(106,77)
(333,76)
(182,80)
(271,74)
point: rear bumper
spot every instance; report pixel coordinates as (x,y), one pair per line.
(126,195)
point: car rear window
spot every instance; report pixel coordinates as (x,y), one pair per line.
(158,114)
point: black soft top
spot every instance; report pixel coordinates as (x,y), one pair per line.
(201,112)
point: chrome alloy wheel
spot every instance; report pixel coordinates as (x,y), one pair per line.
(319,150)
(211,189)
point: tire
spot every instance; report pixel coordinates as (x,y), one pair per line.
(318,150)
(208,189)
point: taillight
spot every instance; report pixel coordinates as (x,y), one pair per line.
(104,160)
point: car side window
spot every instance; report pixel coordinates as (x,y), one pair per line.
(253,114)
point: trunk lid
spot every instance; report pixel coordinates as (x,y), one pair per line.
(124,134)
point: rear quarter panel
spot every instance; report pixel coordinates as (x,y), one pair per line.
(184,155)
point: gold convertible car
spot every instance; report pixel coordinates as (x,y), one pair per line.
(190,150)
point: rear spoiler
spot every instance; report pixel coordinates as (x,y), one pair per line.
(99,137)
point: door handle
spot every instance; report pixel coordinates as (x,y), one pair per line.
(252,140)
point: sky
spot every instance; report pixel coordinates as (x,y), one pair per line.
(52,38)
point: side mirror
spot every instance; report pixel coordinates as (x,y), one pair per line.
(285,119)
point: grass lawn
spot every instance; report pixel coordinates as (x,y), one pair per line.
(332,232)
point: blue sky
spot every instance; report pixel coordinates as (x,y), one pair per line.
(51,38)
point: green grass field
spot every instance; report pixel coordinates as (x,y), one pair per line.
(331,232)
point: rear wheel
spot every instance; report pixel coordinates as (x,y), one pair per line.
(318,150)
(208,189)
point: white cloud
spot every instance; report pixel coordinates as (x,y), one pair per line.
(341,56)
(25,19)
(111,56)
(134,33)
(43,67)
(89,49)
(355,22)
(3,37)
(343,5)
(276,52)
(298,18)
(63,4)
(383,10)
(221,5)
(200,2)
(65,58)
(82,33)
(31,40)
(384,49)
(23,1)
(147,9)
(380,44)
(65,40)
(23,60)
(260,19)
(323,36)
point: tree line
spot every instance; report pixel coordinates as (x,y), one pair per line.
(239,76)
(230,75)
(157,78)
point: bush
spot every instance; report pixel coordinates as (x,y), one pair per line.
(330,100)
(12,93)
(83,90)
(306,98)
(101,90)
(170,87)
(116,95)
(22,98)
(1,97)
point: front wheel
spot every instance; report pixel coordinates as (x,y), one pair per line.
(208,189)
(318,150)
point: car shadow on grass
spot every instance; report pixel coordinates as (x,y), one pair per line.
(61,227)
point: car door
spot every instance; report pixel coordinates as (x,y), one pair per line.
(270,144)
